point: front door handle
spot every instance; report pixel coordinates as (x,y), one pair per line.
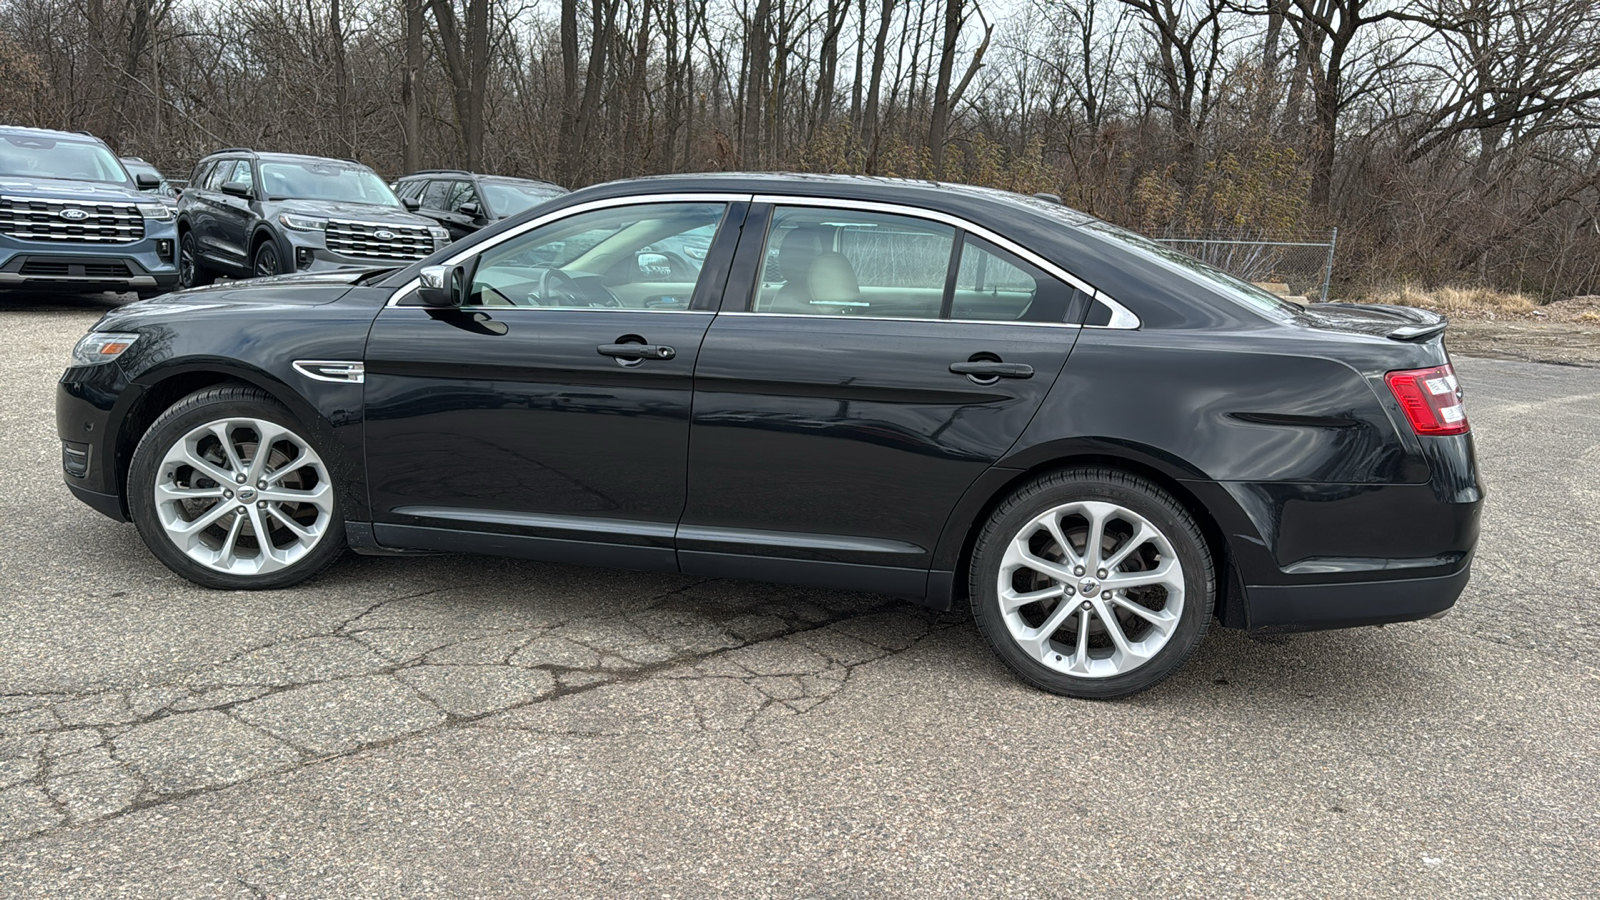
(637,351)
(988,369)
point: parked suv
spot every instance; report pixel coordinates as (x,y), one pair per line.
(464,202)
(72,218)
(137,166)
(250,214)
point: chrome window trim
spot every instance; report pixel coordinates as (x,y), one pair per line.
(1122,318)
(558,215)
(854,318)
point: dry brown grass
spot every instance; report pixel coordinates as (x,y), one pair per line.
(1460,302)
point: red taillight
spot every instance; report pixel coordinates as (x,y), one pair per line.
(1431,399)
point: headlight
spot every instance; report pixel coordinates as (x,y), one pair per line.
(441,237)
(303,223)
(159,212)
(100,347)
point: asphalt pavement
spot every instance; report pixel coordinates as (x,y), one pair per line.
(475,727)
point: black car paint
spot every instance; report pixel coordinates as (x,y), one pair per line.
(1324,508)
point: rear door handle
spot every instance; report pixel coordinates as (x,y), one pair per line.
(637,351)
(986,369)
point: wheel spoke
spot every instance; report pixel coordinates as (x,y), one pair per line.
(171,493)
(1097,514)
(1162,620)
(1108,620)
(1040,640)
(226,555)
(1161,574)
(1011,599)
(270,559)
(1043,566)
(200,522)
(269,434)
(1140,536)
(318,496)
(206,467)
(220,429)
(305,535)
(1080,658)
(1053,525)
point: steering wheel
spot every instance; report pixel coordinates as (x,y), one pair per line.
(554,282)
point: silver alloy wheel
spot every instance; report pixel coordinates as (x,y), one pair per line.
(243,496)
(1091,589)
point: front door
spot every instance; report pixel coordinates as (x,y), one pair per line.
(874,369)
(550,417)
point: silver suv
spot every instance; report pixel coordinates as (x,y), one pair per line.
(73,219)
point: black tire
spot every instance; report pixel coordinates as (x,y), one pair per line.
(1141,498)
(191,271)
(266,262)
(197,409)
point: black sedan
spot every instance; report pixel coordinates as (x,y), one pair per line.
(945,393)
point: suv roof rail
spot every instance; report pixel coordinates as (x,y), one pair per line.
(438,172)
(231,150)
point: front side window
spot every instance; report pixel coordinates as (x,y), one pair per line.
(843,262)
(625,257)
(461,193)
(436,194)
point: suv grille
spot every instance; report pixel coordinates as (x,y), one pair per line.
(370,239)
(41,220)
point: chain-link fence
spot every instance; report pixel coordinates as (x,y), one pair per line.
(1300,266)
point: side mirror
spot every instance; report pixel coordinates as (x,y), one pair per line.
(237,188)
(655,265)
(411,203)
(468,209)
(146,181)
(442,286)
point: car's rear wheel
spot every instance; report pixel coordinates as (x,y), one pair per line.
(1092,582)
(228,491)
(191,271)
(267,262)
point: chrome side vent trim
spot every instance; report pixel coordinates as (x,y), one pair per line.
(335,370)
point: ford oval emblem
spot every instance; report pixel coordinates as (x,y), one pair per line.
(383,235)
(74,214)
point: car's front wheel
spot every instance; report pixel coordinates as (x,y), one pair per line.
(267,262)
(1092,582)
(229,492)
(191,271)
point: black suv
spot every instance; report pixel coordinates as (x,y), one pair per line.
(464,202)
(248,214)
(72,218)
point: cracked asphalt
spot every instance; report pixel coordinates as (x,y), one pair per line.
(459,726)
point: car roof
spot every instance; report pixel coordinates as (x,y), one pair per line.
(25,131)
(508,179)
(271,156)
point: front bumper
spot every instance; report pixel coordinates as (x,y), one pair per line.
(148,265)
(91,458)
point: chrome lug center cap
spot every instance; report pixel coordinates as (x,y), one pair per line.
(1087,587)
(246,494)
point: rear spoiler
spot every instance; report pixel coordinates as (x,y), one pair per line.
(1413,324)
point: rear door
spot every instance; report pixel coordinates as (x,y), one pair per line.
(550,417)
(867,367)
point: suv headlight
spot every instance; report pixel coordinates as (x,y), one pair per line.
(157,212)
(100,347)
(441,237)
(303,223)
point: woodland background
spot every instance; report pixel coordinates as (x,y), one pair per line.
(1450,141)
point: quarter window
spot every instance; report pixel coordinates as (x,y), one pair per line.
(646,256)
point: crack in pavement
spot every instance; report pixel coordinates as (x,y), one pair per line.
(719,661)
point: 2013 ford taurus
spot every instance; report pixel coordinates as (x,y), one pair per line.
(939,392)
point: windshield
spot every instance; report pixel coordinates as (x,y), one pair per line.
(1236,289)
(41,157)
(509,199)
(324,181)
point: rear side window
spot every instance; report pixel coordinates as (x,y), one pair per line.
(845,262)
(833,262)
